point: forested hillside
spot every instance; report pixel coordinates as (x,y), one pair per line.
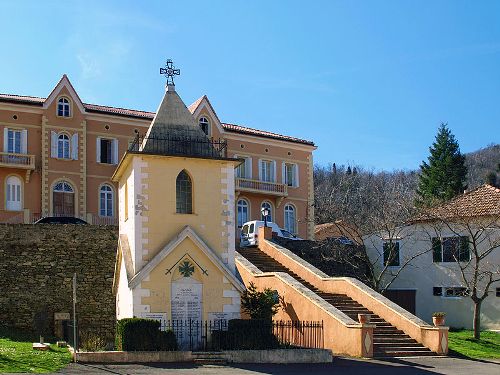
(372,200)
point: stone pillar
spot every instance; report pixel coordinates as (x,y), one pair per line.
(367,340)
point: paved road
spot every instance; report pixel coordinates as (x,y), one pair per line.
(341,366)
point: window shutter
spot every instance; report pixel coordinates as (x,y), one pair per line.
(115,151)
(260,170)
(98,149)
(283,173)
(248,168)
(24,142)
(5,139)
(273,177)
(464,254)
(53,144)
(74,146)
(296,182)
(436,250)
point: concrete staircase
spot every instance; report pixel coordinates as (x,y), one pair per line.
(388,340)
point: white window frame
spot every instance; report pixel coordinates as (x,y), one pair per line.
(295,174)
(239,220)
(114,150)
(72,146)
(271,211)
(205,121)
(263,170)
(23,140)
(109,193)
(247,165)
(286,218)
(14,193)
(64,105)
(63,140)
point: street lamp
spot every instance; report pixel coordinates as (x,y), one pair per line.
(265,213)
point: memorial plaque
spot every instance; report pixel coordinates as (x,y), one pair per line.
(186,299)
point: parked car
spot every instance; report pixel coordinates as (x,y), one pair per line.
(290,236)
(250,230)
(60,220)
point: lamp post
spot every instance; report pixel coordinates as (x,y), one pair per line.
(265,213)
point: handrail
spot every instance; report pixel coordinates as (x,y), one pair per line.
(261,186)
(23,160)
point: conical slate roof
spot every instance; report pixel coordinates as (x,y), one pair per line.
(174,131)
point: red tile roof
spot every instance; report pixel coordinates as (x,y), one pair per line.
(262,133)
(482,201)
(150,115)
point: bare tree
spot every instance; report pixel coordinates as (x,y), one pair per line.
(476,258)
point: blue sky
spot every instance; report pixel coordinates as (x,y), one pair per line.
(368,81)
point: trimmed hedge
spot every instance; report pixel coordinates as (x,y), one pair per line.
(244,334)
(137,334)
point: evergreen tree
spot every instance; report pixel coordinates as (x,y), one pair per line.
(443,176)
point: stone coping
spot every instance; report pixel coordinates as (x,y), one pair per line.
(231,356)
(306,292)
(356,283)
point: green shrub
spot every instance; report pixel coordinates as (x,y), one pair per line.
(136,334)
(252,334)
(260,305)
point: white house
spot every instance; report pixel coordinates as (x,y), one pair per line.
(434,258)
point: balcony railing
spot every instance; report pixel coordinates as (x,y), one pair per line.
(263,187)
(12,160)
(180,146)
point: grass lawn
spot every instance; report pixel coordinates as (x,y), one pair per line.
(17,354)
(461,342)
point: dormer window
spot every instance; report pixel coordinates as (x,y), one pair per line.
(204,125)
(63,107)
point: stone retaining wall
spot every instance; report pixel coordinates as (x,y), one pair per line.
(37,262)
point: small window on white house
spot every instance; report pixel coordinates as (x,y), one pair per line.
(107,150)
(455,292)
(63,108)
(391,253)
(15,141)
(204,125)
(106,201)
(13,199)
(290,219)
(269,208)
(290,174)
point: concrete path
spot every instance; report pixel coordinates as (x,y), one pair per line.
(341,366)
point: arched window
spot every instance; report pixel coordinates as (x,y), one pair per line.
(290,219)
(204,125)
(63,108)
(13,200)
(184,194)
(242,208)
(63,146)
(270,208)
(106,200)
(63,199)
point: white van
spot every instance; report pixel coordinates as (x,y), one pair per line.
(250,230)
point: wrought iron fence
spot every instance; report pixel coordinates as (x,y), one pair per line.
(189,146)
(245,334)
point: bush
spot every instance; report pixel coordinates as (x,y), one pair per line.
(253,334)
(260,305)
(136,334)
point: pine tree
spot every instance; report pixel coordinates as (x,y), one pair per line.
(443,176)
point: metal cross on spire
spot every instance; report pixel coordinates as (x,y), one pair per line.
(169,71)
